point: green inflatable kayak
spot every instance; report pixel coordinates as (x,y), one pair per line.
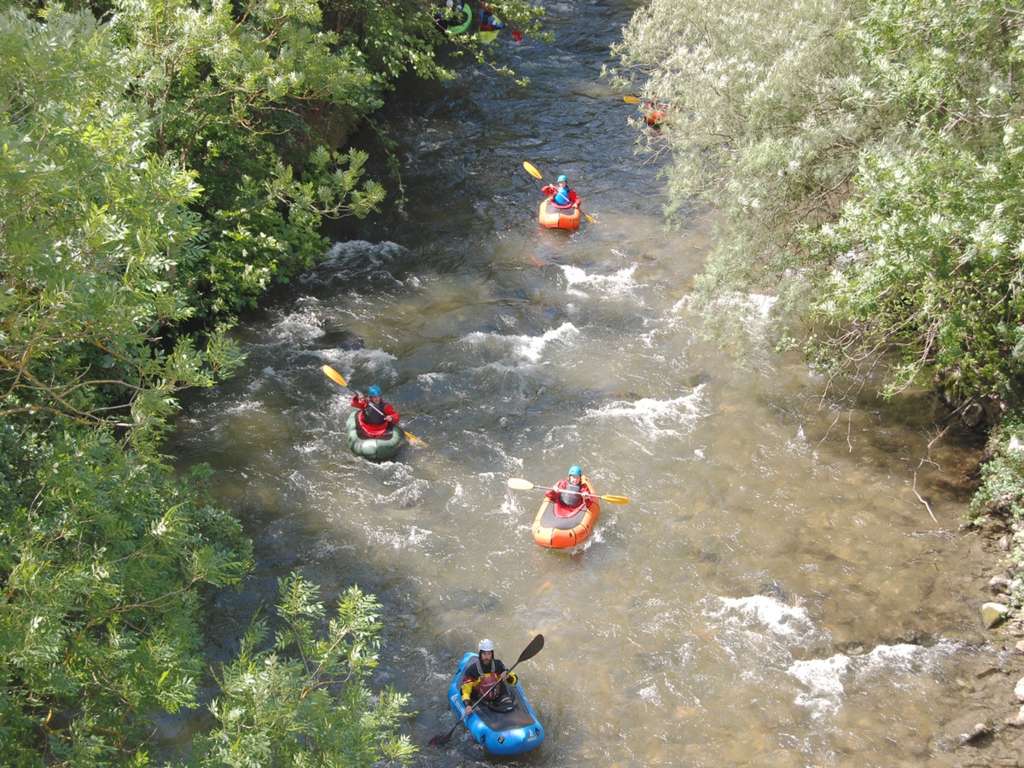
(464,25)
(375,450)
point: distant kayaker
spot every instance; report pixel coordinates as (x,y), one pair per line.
(561,194)
(488,21)
(481,678)
(570,492)
(453,15)
(376,418)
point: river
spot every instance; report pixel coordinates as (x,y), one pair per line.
(774,594)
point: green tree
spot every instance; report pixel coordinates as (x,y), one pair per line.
(301,697)
(866,153)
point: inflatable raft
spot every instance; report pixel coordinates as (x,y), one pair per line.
(462,21)
(500,733)
(373,449)
(491,34)
(560,527)
(553,217)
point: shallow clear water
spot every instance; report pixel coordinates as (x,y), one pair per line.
(774,594)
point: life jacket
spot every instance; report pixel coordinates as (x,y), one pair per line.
(486,683)
(569,495)
(562,197)
(371,414)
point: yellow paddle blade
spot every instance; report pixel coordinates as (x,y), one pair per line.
(518,484)
(616,499)
(590,219)
(334,376)
(530,169)
(631,99)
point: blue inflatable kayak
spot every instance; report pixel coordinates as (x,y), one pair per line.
(500,733)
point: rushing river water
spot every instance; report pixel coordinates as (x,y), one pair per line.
(775,594)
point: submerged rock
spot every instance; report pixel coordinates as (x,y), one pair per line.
(993,614)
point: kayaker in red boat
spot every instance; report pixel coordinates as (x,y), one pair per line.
(561,194)
(376,418)
(569,493)
(480,679)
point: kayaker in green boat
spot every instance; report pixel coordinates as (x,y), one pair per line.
(482,679)
(376,418)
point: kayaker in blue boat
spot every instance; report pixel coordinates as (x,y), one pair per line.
(561,194)
(482,678)
(488,21)
(568,493)
(376,418)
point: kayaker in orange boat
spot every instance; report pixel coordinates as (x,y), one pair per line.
(480,679)
(376,418)
(654,114)
(561,194)
(569,494)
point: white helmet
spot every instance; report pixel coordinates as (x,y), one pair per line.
(486,645)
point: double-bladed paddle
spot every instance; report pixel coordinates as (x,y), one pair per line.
(519,484)
(532,170)
(528,653)
(338,379)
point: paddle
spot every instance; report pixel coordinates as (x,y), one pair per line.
(631,99)
(528,653)
(532,170)
(519,484)
(338,379)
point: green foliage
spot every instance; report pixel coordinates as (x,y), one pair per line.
(1002,477)
(300,697)
(867,153)
(102,554)
(93,227)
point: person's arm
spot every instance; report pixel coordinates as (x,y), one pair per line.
(552,495)
(390,414)
(574,198)
(358,402)
(548,190)
(499,667)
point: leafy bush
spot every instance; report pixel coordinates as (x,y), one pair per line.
(867,153)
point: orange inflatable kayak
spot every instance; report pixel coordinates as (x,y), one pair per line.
(553,217)
(559,527)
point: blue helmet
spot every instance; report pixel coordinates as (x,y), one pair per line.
(562,178)
(373,391)
(575,471)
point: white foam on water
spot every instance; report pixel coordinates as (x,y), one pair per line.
(650,694)
(528,348)
(345,360)
(617,284)
(651,414)
(768,612)
(297,327)
(410,539)
(824,678)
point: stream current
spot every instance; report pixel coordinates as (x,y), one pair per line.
(774,594)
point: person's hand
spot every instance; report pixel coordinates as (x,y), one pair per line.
(469,709)
(389,418)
